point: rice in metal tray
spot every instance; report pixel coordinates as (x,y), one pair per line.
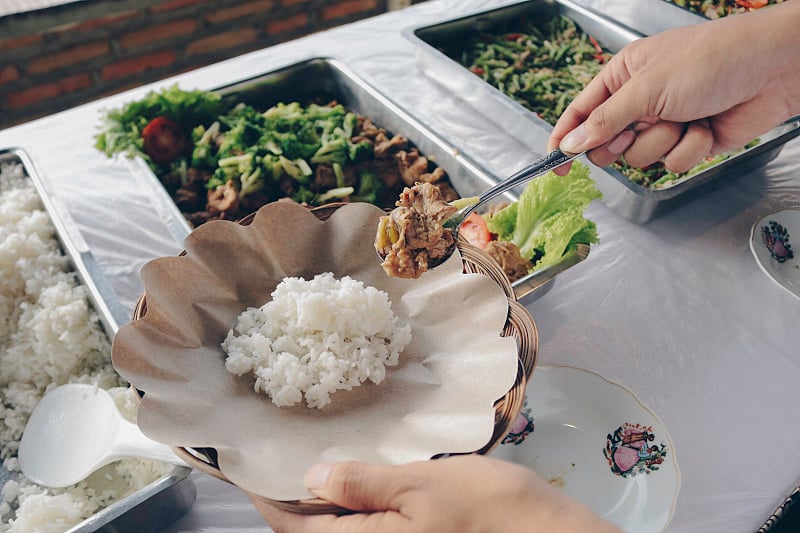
(50,335)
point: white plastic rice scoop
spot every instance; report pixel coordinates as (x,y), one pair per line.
(76,429)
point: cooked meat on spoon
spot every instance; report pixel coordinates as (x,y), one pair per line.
(412,237)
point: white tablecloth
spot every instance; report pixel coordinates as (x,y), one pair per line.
(677,310)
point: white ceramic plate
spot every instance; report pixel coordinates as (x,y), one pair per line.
(772,240)
(596,441)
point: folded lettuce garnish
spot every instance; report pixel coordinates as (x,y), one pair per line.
(547,219)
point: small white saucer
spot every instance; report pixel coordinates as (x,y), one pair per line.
(597,442)
(772,240)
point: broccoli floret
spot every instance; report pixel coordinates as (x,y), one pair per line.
(303,196)
(203,155)
(239,138)
(294,149)
(284,111)
(308,133)
(316,112)
(360,151)
(272,167)
(333,152)
(218,178)
(369,187)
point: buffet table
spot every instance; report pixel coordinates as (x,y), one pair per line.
(676,310)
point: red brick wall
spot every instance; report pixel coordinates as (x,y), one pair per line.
(126,44)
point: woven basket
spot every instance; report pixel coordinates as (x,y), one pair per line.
(519,324)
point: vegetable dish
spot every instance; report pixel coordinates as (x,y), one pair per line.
(221,160)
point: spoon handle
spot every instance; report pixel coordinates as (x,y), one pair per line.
(131,442)
(542,165)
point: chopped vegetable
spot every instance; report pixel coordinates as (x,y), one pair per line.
(475,231)
(205,150)
(543,67)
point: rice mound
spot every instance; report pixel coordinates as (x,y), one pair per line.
(316,337)
(49,336)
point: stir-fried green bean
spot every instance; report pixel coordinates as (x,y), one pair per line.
(543,68)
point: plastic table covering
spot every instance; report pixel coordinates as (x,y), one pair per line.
(676,310)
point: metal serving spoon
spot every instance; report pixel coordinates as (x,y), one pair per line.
(548,162)
(76,429)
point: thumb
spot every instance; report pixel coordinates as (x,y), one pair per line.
(606,119)
(357,486)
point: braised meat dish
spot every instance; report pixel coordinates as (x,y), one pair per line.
(412,237)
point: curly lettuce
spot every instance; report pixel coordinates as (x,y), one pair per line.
(547,219)
(121,128)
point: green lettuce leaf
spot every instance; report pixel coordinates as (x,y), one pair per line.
(548,217)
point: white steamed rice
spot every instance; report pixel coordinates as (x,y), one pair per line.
(49,335)
(316,337)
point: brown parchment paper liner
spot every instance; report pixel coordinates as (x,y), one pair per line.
(439,399)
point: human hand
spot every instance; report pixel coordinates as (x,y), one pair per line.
(689,92)
(465,493)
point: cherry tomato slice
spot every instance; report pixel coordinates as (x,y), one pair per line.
(475,231)
(164,141)
(752,4)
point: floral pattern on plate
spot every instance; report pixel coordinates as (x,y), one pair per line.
(629,453)
(772,249)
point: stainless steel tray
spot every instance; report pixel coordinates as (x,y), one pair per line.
(626,198)
(167,498)
(326,77)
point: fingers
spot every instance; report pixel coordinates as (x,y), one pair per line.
(282,521)
(597,91)
(358,486)
(607,120)
(679,146)
(693,147)
(653,143)
(606,154)
(592,119)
